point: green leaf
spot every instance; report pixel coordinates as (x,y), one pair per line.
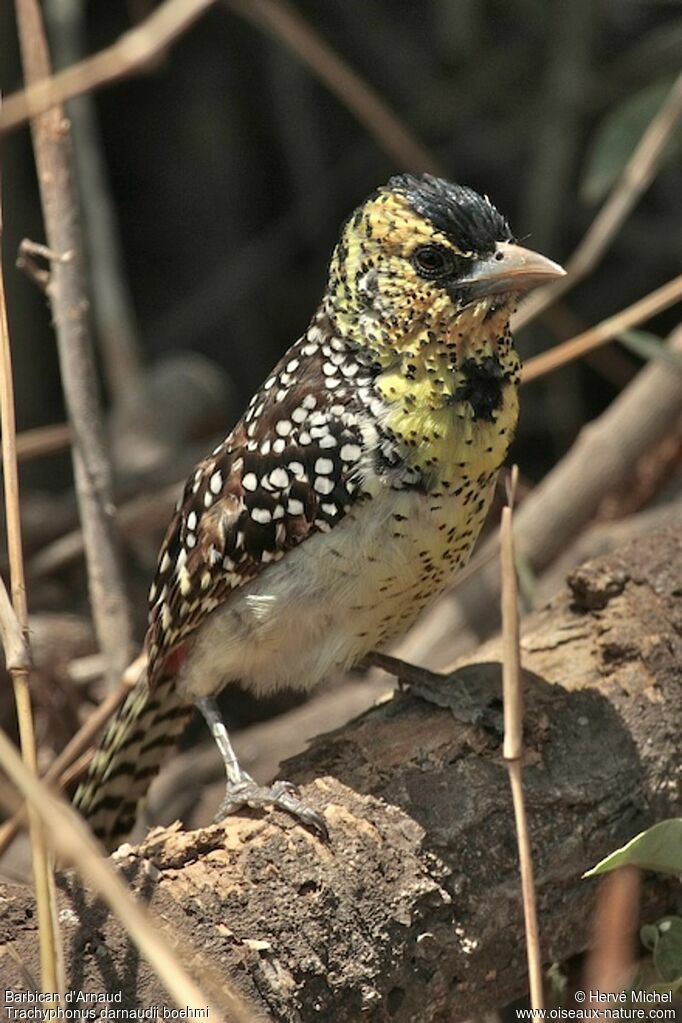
(617,136)
(648,935)
(527,580)
(668,951)
(648,346)
(556,984)
(658,848)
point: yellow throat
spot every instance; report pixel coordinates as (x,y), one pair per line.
(447,372)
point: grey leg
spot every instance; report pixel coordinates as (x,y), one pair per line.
(213,718)
(241,790)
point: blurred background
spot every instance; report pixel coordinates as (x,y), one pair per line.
(230,167)
(212,188)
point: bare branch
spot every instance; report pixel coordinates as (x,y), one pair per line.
(512,749)
(43,440)
(60,771)
(636,177)
(17,653)
(600,460)
(68,299)
(112,307)
(149,511)
(15,634)
(644,309)
(137,50)
(284,22)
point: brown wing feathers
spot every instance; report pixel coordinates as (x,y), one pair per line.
(288,469)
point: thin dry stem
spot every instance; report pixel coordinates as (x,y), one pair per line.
(60,770)
(610,963)
(284,22)
(50,949)
(146,512)
(653,303)
(76,770)
(27,261)
(513,749)
(71,841)
(533,953)
(43,440)
(66,291)
(137,50)
(112,307)
(511,485)
(17,653)
(511,668)
(635,178)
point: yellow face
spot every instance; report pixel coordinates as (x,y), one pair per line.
(424,280)
(446,363)
(396,276)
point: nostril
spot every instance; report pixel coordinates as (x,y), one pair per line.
(499,255)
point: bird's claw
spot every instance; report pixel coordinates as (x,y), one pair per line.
(281,794)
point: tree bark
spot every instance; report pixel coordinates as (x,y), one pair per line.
(413,911)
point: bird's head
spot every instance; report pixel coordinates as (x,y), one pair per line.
(422,255)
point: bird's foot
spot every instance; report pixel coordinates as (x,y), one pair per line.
(281,794)
(472,693)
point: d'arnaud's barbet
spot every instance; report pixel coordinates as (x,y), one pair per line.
(344,499)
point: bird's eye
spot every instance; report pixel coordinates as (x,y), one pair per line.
(432,261)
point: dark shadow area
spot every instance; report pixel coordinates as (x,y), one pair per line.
(83,929)
(450,777)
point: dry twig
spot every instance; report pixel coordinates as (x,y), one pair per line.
(43,440)
(60,770)
(635,178)
(18,657)
(610,963)
(137,50)
(17,653)
(112,307)
(149,511)
(513,745)
(69,307)
(644,309)
(72,841)
(287,25)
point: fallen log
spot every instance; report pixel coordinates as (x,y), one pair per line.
(413,911)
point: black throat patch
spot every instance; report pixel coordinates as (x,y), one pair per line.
(483,385)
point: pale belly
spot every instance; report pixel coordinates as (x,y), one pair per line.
(338,595)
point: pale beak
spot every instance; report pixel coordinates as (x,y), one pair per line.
(511,268)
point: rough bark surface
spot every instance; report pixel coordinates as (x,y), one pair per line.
(413,913)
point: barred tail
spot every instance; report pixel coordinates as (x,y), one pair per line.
(146,726)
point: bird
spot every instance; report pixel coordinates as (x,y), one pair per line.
(342,502)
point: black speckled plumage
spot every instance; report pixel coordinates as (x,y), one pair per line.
(354,484)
